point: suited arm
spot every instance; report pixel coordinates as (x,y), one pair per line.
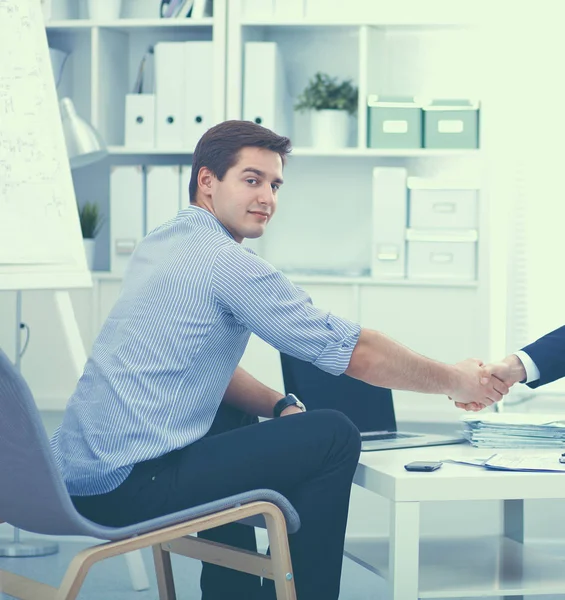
(548,353)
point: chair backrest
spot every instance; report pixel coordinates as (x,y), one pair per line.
(33,495)
(369,407)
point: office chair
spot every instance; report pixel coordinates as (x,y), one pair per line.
(34,498)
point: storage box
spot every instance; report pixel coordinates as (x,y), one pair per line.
(451,124)
(435,204)
(394,122)
(451,255)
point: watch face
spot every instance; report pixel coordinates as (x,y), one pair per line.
(296,401)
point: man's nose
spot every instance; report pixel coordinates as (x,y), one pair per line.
(266,195)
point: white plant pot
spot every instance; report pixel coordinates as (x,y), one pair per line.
(89,246)
(104,10)
(330,128)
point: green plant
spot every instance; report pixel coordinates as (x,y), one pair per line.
(324,92)
(90,220)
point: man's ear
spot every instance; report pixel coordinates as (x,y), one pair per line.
(205,180)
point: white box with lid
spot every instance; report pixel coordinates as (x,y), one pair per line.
(442,204)
(444,256)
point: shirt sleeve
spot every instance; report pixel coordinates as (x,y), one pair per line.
(532,371)
(267,303)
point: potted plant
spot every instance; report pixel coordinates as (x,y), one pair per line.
(331,102)
(90,223)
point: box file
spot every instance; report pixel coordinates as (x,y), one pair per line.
(162,195)
(140,120)
(126,214)
(185,174)
(169,95)
(198,92)
(265,94)
(289,9)
(258,9)
(389,223)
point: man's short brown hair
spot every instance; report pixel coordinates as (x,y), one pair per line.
(218,149)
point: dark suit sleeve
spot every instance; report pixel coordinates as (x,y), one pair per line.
(549,355)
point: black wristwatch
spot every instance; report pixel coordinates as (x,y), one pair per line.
(288,400)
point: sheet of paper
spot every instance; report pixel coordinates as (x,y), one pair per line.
(476,462)
(507,418)
(528,462)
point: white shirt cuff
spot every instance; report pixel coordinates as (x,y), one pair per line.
(532,371)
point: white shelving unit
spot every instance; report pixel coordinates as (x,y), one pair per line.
(323,221)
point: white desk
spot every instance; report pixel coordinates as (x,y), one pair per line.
(442,567)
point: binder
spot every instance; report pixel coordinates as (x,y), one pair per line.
(169,94)
(185,174)
(140,120)
(162,195)
(126,214)
(289,9)
(389,223)
(198,93)
(265,95)
(258,9)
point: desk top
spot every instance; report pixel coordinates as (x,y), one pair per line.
(383,472)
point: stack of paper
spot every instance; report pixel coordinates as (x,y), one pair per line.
(515,430)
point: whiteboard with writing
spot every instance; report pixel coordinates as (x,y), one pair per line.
(40,237)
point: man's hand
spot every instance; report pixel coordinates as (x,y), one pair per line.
(474,388)
(510,370)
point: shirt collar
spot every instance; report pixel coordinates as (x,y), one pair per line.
(205,218)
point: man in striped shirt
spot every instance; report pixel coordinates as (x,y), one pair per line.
(164,419)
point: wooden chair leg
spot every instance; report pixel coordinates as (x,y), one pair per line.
(164,572)
(74,576)
(280,555)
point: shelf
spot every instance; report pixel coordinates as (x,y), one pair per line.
(128,24)
(470,567)
(125,151)
(318,152)
(328,280)
(383,152)
(384,23)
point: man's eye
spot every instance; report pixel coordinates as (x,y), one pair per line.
(275,186)
(251,180)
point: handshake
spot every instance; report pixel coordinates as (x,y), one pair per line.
(494,381)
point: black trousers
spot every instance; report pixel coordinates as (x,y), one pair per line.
(310,458)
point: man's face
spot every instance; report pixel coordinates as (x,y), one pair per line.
(246,200)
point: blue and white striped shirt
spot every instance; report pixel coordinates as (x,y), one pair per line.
(161,364)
